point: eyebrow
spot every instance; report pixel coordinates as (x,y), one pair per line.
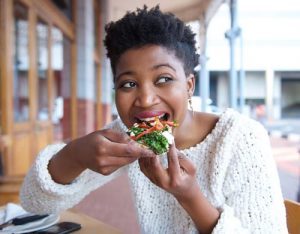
(155,67)
(163,65)
(124,73)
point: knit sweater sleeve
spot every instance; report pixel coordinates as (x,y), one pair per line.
(253,200)
(40,194)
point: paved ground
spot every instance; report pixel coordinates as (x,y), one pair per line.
(285,138)
(287,157)
(113,202)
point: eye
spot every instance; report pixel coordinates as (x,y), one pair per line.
(163,79)
(128,85)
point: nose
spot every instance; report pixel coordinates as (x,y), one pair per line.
(146,97)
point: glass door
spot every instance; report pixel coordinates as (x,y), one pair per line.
(21,89)
(21,64)
(42,43)
(42,85)
(97,65)
(61,65)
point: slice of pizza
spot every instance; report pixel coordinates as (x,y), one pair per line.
(154,134)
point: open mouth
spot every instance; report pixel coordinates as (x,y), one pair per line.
(153,130)
(162,117)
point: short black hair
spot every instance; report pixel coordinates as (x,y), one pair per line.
(145,27)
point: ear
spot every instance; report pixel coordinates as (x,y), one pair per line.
(191,84)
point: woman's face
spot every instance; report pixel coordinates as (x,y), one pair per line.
(150,81)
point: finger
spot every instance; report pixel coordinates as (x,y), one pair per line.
(158,172)
(131,149)
(147,165)
(173,162)
(107,170)
(144,167)
(115,136)
(186,164)
(153,169)
(111,161)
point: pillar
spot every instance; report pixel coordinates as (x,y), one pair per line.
(269,93)
(107,80)
(85,67)
(203,76)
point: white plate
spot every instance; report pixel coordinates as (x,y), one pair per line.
(32,226)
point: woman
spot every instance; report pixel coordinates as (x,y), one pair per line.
(218,176)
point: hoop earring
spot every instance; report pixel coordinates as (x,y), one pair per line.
(191,104)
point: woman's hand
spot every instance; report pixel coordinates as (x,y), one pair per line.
(102,151)
(178,179)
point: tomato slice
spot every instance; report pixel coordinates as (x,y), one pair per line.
(143,125)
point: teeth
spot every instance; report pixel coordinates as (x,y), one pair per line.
(151,118)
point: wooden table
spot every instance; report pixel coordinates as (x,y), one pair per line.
(89,225)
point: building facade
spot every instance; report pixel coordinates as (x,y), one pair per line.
(267,50)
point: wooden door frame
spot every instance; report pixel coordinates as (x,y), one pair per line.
(98,62)
(74,117)
(47,10)
(6,64)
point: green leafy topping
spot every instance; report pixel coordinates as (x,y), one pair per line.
(155,141)
(136,130)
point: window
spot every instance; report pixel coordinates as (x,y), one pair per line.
(42,71)
(21,64)
(61,65)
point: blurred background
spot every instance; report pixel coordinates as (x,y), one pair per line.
(56,83)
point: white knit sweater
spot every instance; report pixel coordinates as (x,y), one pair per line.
(236,173)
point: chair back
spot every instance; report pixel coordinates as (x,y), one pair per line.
(293,216)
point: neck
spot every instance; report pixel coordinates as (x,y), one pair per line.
(181,134)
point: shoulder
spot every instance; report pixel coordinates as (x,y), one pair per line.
(248,128)
(231,129)
(248,139)
(238,125)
